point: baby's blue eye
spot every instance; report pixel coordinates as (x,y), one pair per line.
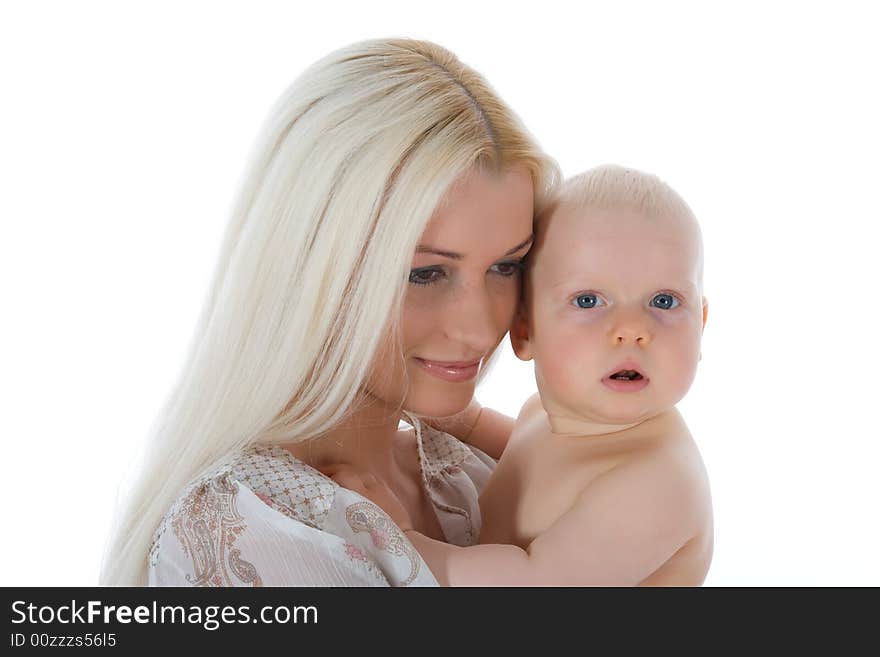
(588,301)
(664,301)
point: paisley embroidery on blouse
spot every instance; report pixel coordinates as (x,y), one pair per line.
(207,525)
(354,553)
(385,535)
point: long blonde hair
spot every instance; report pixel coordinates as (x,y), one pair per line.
(345,174)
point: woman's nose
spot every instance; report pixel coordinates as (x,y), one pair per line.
(470,320)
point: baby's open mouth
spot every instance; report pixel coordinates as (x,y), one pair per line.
(626,375)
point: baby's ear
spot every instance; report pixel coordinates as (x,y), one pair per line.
(519,335)
(705,310)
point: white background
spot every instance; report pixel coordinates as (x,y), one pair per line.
(124,132)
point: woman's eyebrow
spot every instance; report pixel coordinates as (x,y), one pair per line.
(422,248)
(526,242)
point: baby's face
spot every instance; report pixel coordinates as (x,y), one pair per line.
(614,314)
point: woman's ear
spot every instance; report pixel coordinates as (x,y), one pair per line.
(705,311)
(519,335)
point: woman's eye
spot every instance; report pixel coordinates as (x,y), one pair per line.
(425,275)
(664,301)
(588,301)
(508,268)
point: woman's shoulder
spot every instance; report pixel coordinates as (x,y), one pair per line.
(266,518)
(268,472)
(285,484)
(203,523)
(257,519)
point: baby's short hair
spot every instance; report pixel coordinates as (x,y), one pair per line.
(613,187)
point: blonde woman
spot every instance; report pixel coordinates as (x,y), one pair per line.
(370,268)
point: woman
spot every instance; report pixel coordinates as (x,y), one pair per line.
(368,273)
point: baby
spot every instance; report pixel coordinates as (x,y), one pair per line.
(600,482)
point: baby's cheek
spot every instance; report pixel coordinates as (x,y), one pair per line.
(562,365)
(554,370)
(682,364)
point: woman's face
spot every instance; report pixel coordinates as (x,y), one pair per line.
(463,290)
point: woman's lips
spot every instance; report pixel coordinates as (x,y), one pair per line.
(451,371)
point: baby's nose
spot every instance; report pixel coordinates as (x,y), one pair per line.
(630,334)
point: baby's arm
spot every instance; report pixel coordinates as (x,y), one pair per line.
(485,429)
(622,528)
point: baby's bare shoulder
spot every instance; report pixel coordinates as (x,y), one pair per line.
(530,423)
(677,455)
(668,472)
(531,407)
(670,453)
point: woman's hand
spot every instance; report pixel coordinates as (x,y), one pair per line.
(367,485)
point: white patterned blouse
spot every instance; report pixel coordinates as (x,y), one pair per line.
(268,519)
